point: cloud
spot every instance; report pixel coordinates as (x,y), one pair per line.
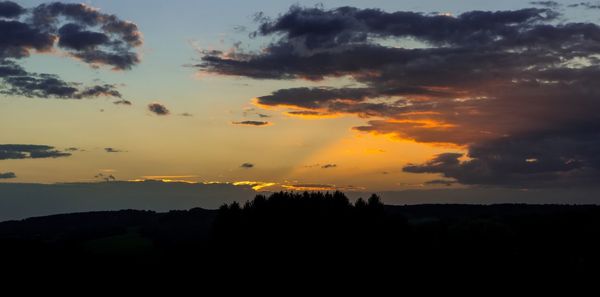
(310,114)
(29,151)
(549,4)
(568,157)
(247,165)
(158,109)
(256,185)
(252,111)
(442,162)
(34,85)
(587,5)
(74,36)
(304,113)
(106,177)
(122,102)
(508,86)
(312,97)
(7,175)
(9,9)
(111,45)
(84,33)
(113,150)
(251,123)
(443,182)
(327,166)
(320,187)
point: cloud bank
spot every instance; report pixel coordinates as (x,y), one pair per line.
(30,151)
(518,89)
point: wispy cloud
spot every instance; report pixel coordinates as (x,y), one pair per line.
(113,150)
(252,123)
(122,102)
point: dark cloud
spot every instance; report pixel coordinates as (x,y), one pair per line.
(311,97)
(251,123)
(442,162)
(565,157)
(443,182)
(83,32)
(247,165)
(320,28)
(158,109)
(122,102)
(73,36)
(29,151)
(100,90)
(113,150)
(14,80)
(106,177)
(9,9)
(327,166)
(517,89)
(7,175)
(49,85)
(317,43)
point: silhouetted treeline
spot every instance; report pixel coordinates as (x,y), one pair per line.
(296,226)
(322,233)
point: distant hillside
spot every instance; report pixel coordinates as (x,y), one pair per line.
(312,230)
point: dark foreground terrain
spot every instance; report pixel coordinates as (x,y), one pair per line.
(313,233)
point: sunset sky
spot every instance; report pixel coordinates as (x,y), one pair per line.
(373,96)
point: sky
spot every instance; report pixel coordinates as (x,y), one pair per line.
(297,95)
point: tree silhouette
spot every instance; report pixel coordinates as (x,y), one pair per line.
(321,233)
